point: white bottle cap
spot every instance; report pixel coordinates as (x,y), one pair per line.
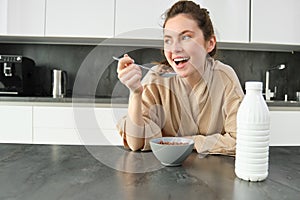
(253,85)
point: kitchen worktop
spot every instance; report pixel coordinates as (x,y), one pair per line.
(117,101)
(35,172)
(278,103)
(49,101)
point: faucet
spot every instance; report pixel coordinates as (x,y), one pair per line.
(268,93)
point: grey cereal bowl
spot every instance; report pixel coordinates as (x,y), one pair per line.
(171,151)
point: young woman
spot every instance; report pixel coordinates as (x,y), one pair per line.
(200,102)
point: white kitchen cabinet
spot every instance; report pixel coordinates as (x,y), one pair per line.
(22,17)
(275,21)
(137,19)
(16,124)
(230,19)
(80,126)
(80,18)
(285,128)
(54,125)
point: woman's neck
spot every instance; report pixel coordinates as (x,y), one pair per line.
(193,80)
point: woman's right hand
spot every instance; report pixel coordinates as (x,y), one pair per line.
(130,74)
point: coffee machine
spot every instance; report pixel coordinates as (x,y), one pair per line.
(16,75)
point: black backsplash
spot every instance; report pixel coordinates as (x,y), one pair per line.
(92,72)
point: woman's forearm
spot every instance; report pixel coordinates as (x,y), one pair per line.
(215,144)
(135,124)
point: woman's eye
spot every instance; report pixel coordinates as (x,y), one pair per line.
(167,41)
(185,37)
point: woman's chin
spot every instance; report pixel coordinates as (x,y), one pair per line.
(183,74)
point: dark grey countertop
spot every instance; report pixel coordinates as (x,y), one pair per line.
(283,103)
(121,100)
(107,100)
(42,172)
(11,100)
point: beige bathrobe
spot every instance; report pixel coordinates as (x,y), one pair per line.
(206,112)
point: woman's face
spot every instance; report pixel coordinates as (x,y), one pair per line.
(184,46)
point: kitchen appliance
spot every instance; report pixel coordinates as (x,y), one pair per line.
(297,96)
(59,83)
(16,75)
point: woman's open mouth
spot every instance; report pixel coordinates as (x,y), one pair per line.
(180,61)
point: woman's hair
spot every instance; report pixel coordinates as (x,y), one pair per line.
(200,15)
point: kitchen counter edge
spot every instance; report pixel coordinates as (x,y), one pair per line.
(108,102)
(65,102)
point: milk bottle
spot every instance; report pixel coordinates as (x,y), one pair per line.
(253,129)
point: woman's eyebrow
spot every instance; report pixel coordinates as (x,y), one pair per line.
(186,31)
(180,34)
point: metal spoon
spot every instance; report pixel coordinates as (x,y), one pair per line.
(163,74)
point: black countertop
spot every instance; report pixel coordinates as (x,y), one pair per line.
(109,100)
(114,100)
(119,100)
(53,172)
(66,100)
(283,103)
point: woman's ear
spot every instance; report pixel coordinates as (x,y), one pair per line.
(210,44)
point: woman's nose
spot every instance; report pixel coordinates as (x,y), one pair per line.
(176,47)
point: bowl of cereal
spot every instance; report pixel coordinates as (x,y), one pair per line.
(171,151)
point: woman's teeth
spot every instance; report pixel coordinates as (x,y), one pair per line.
(180,60)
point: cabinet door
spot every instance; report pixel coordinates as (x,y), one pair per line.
(103,131)
(275,21)
(140,19)
(107,118)
(54,125)
(230,19)
(16,124)
(22,17)
(284,128)
(80,18)
(3,17)
(82,126)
